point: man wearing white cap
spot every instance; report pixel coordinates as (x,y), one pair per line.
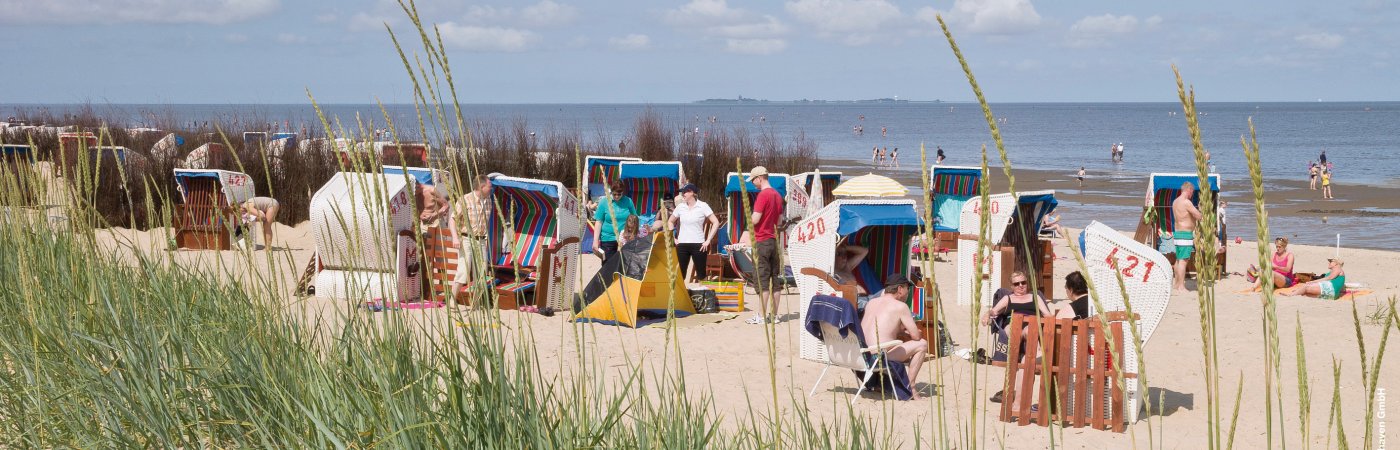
(768,264)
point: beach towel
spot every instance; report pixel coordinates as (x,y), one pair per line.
(839,313)
(1349,294)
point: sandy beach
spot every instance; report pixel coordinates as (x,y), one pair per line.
(725,359)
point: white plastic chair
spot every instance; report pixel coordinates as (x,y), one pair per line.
(846,352)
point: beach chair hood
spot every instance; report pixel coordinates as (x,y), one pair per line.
(883,226)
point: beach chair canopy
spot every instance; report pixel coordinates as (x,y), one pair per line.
(1163,189)
(16,153)
(355,218)
(601,171)
(438,178)
(951,187)
(734,202)
(1147,280)
(234,188)
(527,215)
(649,184)
(636,301)
(884,226)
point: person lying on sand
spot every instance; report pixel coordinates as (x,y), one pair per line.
(1331,286)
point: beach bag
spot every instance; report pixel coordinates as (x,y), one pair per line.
(1303,277)
(705,300)
(1167,244)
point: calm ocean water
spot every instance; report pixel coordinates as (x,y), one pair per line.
(1362,140)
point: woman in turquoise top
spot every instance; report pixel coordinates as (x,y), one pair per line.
(1330,286)
(609,217)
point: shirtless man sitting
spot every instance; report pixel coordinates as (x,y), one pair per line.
(1186,216)
(886,316)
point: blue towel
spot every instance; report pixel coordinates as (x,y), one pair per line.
(839,313)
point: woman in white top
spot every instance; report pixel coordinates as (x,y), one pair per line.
(693,240)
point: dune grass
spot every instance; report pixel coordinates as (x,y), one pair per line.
(102,349)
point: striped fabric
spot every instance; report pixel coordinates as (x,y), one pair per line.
(604,172)
(532,215)
(1163,199)
(889,252)
(916,302)
(737,221)
(648,193)
(954,184)
(516,286)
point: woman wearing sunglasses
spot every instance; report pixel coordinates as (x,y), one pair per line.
(1018,300)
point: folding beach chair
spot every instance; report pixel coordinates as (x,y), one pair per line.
(834,321)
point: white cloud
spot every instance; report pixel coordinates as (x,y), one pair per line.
(548,13)
(370,22)
(1105,24)
(1320,41)
(844,16)
(768,26)
(988,16)
(704,12)
(755,46)
(1093,31)
(487,39)
(289,38)
(134,11)
(631,42)
(742,31)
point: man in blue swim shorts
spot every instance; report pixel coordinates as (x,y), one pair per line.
(1186,216)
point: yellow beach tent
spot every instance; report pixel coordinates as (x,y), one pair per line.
(632,302)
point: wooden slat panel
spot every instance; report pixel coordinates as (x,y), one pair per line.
(1064,376)
(1081,379)
(1096,392)
(1023,401)
(1013,363)
(1117,405)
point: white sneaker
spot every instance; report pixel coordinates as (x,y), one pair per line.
(757,319)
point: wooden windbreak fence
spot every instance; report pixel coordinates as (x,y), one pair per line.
(1062,370)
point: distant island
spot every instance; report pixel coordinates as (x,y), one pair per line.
(741,100)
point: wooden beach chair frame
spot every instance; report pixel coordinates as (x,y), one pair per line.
(1162,189)
(538,220)
(1013,223)
(208,216)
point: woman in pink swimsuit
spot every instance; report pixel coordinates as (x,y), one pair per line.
(1283,265)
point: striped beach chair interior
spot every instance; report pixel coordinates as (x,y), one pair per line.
(601,174)
(533,225)
(952,188)
(649,193)
(889,252)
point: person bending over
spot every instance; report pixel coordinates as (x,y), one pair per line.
(264,210)
(888,315)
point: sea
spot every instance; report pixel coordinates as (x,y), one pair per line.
(1361,139)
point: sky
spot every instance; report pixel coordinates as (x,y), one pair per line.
(648,51)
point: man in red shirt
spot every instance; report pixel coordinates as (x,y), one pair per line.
(768,263)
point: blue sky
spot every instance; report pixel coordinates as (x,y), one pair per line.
(630,51)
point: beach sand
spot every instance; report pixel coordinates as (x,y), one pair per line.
(727,359)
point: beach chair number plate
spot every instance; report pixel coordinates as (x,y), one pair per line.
(1132,263)
(812,231)
(993,209)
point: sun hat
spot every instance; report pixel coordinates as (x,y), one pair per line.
(758,171)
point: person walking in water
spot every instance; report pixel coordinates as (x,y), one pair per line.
(874,154)
(939,160)
(894,157)
(1080,176)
